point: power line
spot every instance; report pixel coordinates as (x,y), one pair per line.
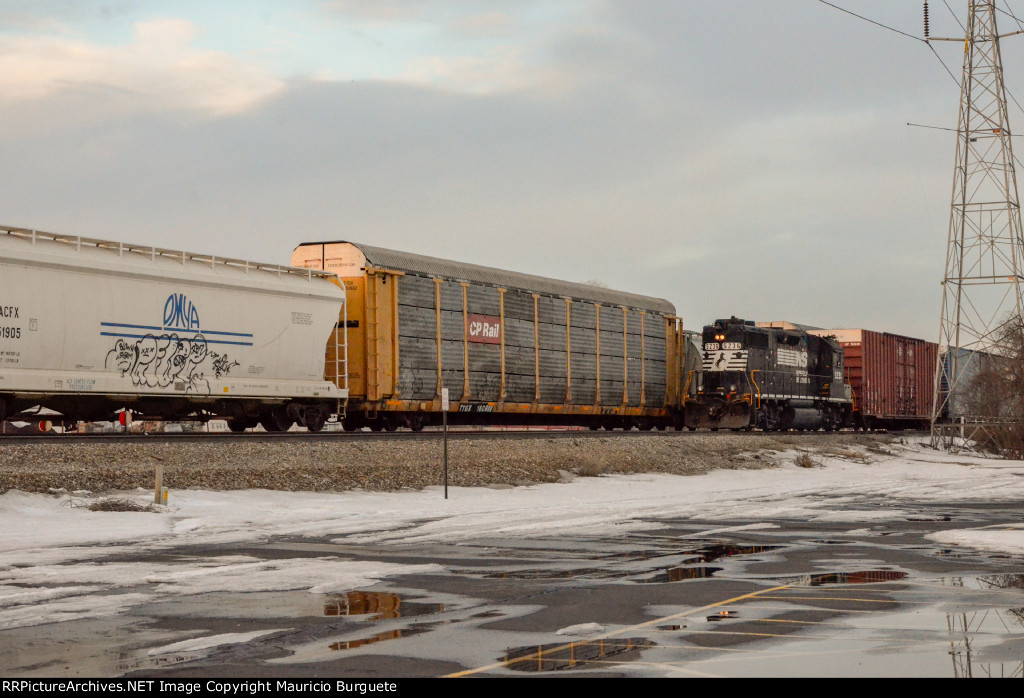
(877,24)
(903,33)
(955,16)
(1009,13)
(939,59)
(937,128)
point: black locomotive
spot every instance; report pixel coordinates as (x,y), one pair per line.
(770,378)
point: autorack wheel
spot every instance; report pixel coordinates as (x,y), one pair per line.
(352,423)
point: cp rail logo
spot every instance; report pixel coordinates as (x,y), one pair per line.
(175,354)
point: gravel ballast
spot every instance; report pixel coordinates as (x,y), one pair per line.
(338,465)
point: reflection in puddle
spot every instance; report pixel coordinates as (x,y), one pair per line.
(681,574)
(589,573)
(382,605)
(863,577)
(967,631)
(573,654)
(127,662)
(379,637)
(691,570)
(710,553)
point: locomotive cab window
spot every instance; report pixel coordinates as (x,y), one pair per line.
(756,340)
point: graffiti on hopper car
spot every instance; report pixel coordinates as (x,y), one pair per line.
(161,361)
(175,354)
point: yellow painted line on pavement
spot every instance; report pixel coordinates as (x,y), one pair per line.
(843,599)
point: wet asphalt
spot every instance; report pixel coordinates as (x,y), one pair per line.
(682,598)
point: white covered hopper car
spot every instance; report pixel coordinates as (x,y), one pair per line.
(89,328)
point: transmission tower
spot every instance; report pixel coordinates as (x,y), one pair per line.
(985,255)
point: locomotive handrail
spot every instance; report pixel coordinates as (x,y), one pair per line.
(686,389)
(785,383)
(752,380)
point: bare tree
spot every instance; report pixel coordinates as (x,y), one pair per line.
(995,392)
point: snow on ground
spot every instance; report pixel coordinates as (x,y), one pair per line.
(204,643)
(60,549)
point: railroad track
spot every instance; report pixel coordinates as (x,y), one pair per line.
(427,434)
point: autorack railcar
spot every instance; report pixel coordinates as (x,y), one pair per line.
(92,327)
(509,348)
(770,378)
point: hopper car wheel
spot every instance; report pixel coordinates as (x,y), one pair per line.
(277,420)
(595,427)
(390,423)
(238,425)
(416,422)
(315,420)
(376,425)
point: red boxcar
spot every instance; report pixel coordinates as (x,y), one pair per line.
(891,376)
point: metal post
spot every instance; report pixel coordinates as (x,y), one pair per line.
(444,421)
(158,490)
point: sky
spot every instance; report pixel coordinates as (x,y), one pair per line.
(736,158)
(63,563)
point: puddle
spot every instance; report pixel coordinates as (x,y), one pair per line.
(691,570)
(380,604)
(574,654)
(863,577)
(379,637)
(589,573)
(488,614)
(710,553)
(681,574)
(637,555)
(128,662)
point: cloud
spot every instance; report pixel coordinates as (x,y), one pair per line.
(500,69)
(160,68)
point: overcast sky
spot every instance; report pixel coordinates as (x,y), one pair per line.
(737,157)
